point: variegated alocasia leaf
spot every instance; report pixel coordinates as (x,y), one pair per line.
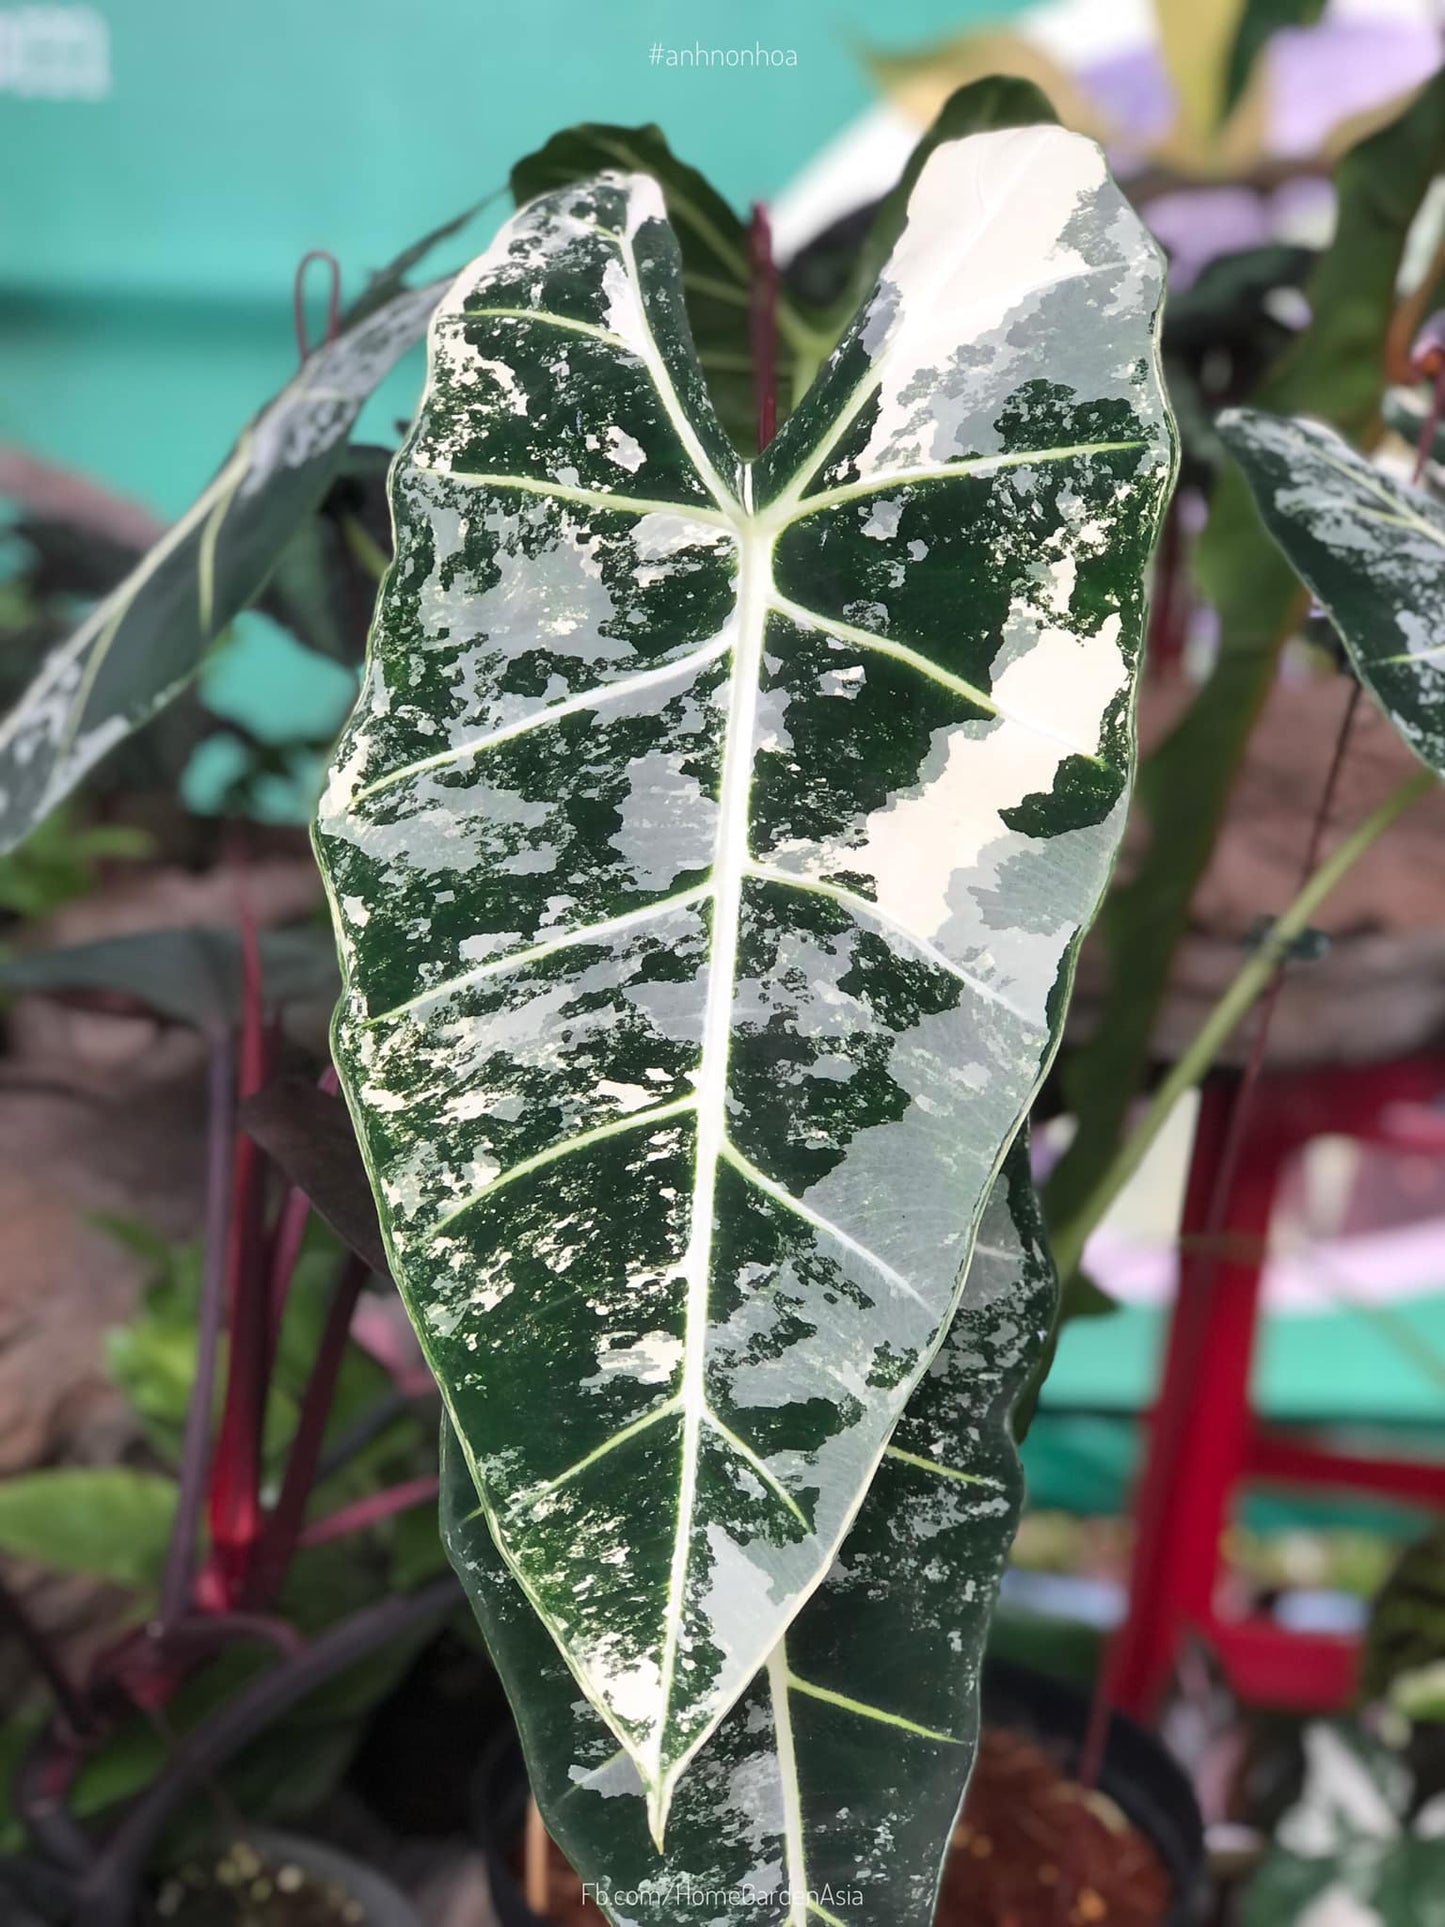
(1372,551)
(839,1773)
(145,641)
(709,850)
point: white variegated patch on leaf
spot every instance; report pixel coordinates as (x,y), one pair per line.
(709,850)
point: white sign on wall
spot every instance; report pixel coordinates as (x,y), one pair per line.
(54,53)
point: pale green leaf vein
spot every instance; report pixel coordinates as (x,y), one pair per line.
(593,498)
(867,911)
(580,938)
(584,1140)
(597,697)
(610,1444)
(746,1452)
(760,1182)
(545,317)
(866,1712)
(899,652)
(976,465)
(934,1466)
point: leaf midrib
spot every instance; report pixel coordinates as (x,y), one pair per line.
(730,857)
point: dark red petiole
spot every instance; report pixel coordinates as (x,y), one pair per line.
(235,1515)
(763,323)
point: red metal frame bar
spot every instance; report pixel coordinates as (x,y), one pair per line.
(1203,1438)
(1295,1458)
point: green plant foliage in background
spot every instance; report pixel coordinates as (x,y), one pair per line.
(1336,370)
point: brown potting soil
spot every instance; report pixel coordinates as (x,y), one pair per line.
(1033,1849)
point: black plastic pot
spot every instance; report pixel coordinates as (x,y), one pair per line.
(499,1814)
(381,1903)
(1138,1775)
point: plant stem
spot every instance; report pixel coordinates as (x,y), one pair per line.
(388,1409)
(286,1246)
(17,1622)
(218,1630)
(1427,434)
(1218,1027)
(763,323)
(104,1895)
(39,1794)
(1243,1099)
(371,1510)
(364,548)
(283,1528)
(537,1873)
(333,298)
(195,1449)
(235,1484)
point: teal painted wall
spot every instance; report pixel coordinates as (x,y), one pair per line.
(148,239)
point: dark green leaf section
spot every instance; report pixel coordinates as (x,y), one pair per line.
(1336,370)
(715,271)
(839,1773)
(1372,552)
(709,851)
(145,641)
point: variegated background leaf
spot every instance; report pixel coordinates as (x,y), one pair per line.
(840,1771)
(709,850)
(146,640)
(1372,551)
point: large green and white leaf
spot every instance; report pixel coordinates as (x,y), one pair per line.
(841,1770)
(714,244)
(143,643)
(709,850)
(1372,551)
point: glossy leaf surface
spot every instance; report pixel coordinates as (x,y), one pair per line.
(841,1770)
(709,851)
(1371,550)
(145,640)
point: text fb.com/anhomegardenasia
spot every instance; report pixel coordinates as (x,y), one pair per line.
(661,55)
(682,1892)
